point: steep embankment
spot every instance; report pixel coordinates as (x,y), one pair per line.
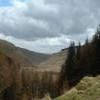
(87,89)
(8,72)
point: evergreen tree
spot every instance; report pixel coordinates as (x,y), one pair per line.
(78,53)
(68,68)
(96,46)
(86,42)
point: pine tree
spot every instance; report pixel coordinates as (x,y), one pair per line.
(78,53)
(68,68)
(96,46)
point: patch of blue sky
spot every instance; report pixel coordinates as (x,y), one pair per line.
(4,3)
(24,0)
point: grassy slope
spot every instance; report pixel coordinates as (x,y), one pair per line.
(87,89)
(54,63)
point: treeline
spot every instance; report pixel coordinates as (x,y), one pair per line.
(81,61)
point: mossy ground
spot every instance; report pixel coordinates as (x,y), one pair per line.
(87,89)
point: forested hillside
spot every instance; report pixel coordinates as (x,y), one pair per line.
(81,61)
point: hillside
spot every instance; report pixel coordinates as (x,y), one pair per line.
(9,75)
(87,89)
(28,58)
(34,57)
(25,57)
(55,62)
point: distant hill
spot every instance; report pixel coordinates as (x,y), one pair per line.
(25,57)
(34,57)
(54,62)
(28,58)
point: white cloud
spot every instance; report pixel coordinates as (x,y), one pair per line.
(19,4)
(47,45)
(48,18)
(42,6)
(48,25)
(90,33)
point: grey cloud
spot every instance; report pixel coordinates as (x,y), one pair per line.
(51,18)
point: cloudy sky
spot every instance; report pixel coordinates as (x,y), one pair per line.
(48,25)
